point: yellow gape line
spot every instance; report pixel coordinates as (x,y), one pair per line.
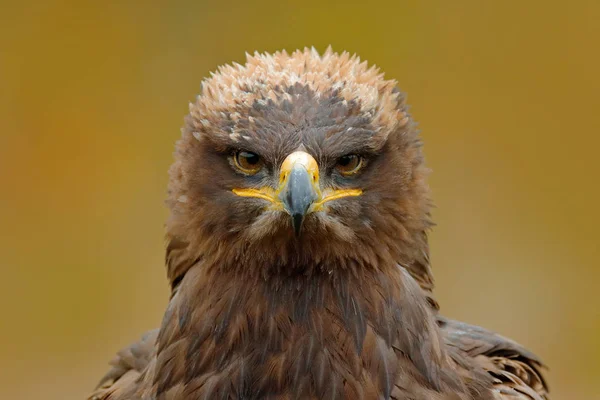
(298,182)
(334,195)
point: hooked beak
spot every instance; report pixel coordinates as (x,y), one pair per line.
(298,186)
(298,193)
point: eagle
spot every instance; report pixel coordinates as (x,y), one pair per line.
(297,251)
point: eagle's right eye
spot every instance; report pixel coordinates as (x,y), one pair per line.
(247,162)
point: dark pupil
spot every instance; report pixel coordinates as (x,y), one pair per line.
(346,160)
(250,158)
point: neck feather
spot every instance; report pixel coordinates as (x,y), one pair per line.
(311,333)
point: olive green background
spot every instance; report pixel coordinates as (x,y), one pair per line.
(92,96)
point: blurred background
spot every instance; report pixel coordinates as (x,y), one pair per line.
(92,96)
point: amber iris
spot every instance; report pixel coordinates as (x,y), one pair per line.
(247,162)
(349,164)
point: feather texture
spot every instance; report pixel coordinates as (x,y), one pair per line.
(344,310)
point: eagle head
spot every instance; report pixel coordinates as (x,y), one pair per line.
(294,163)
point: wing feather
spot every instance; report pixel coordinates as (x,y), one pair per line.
(126,367)
(517,371)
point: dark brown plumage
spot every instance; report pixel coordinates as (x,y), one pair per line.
(297,252)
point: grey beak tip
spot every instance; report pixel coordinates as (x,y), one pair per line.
(298,196)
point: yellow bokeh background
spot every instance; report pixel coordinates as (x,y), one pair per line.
(92,96)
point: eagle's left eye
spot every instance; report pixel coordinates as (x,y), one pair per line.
(349,164)
(247,162)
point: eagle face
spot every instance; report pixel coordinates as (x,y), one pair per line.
(303,158)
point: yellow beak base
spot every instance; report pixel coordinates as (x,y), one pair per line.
(298,193)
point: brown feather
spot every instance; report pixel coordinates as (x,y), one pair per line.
(343,311)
